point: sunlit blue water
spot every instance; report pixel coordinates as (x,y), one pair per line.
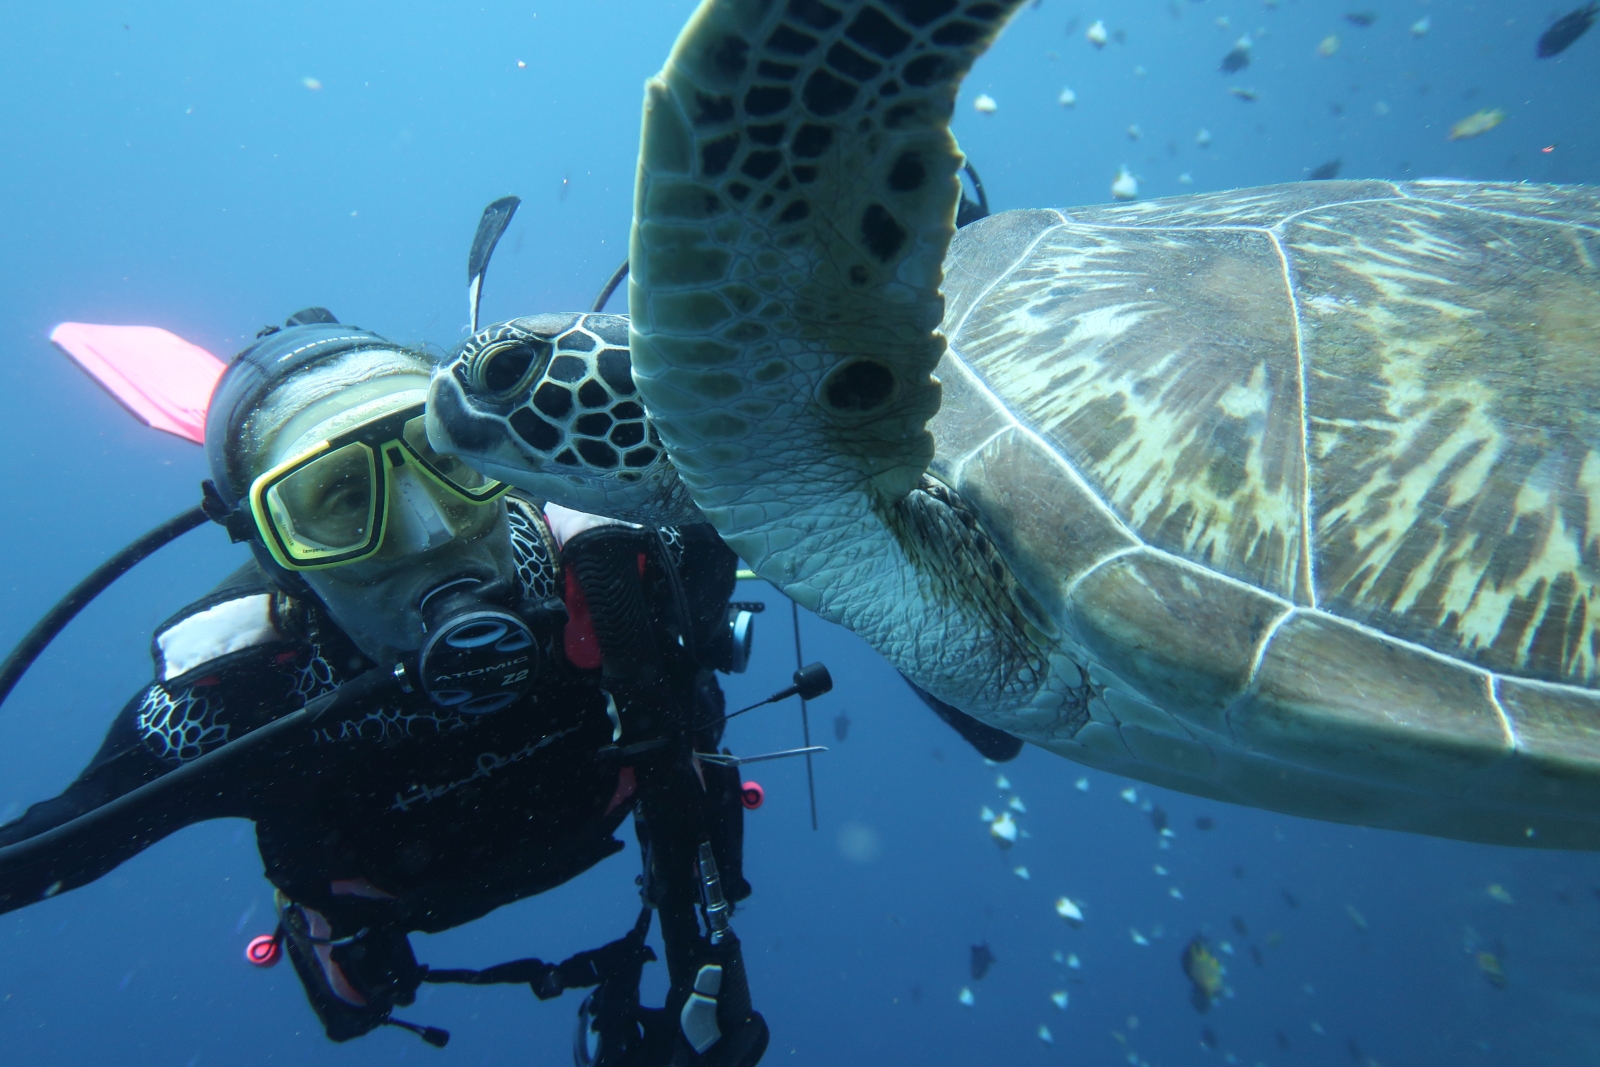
(166,164)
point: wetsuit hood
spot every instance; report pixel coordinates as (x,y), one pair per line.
(310,338)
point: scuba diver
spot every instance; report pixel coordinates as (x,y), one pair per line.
(433,697)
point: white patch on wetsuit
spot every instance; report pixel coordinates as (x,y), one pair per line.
(218,630)
(565,524)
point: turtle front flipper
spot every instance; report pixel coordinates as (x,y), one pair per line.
(796,195)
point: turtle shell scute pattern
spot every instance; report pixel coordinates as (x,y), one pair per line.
(1366,399)
(538,564)
(182,726)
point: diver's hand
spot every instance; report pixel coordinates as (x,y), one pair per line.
(622,959)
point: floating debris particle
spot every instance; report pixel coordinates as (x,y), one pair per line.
(1208,1038)
(1004,830)
(1016,805)
(1237,59)
(841,727)
(1249,96)
(1329,45)
(1020,872)
(982,960)
(1134,132)
(1002,782)
(1158,819)
(1186,178)
(1130,794)
(313,84)
(1204,972)
(1125,187)
(1499,892)
(1361,18)
(1069,911)
(986,813)
(1202,137)
(1162,871)
(1097,35)
(1489,964)
(1326,171)
(1059,999)
(985,104)
(1421,27)
(1138,938)
(1074,962)
(1067,99)
(1044,1035)
(1479,122)
(1356,917)
(965,997)
(1082,784)
(1175,893)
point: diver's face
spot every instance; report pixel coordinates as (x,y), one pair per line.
(431,536)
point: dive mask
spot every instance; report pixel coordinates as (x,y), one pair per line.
(329,504)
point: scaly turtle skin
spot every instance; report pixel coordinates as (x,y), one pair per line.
(1280,496)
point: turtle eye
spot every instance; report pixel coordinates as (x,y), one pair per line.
(506,365)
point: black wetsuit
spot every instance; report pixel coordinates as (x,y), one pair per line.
(399,816)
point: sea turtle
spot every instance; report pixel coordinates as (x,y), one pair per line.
(1285,496)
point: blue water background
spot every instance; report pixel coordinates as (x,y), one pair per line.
(166,164)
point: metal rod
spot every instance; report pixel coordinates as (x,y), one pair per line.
(723,760)
(805,719)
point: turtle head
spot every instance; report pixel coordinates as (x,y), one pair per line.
(547,404)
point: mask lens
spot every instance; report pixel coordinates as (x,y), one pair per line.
(326,507)
(446,467)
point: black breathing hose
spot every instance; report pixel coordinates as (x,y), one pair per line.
(67,608)
(610,287)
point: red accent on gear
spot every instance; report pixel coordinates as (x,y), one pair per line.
(626,785)
(264,951)
(752,796)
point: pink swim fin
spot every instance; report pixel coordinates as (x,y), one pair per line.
(160,377)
